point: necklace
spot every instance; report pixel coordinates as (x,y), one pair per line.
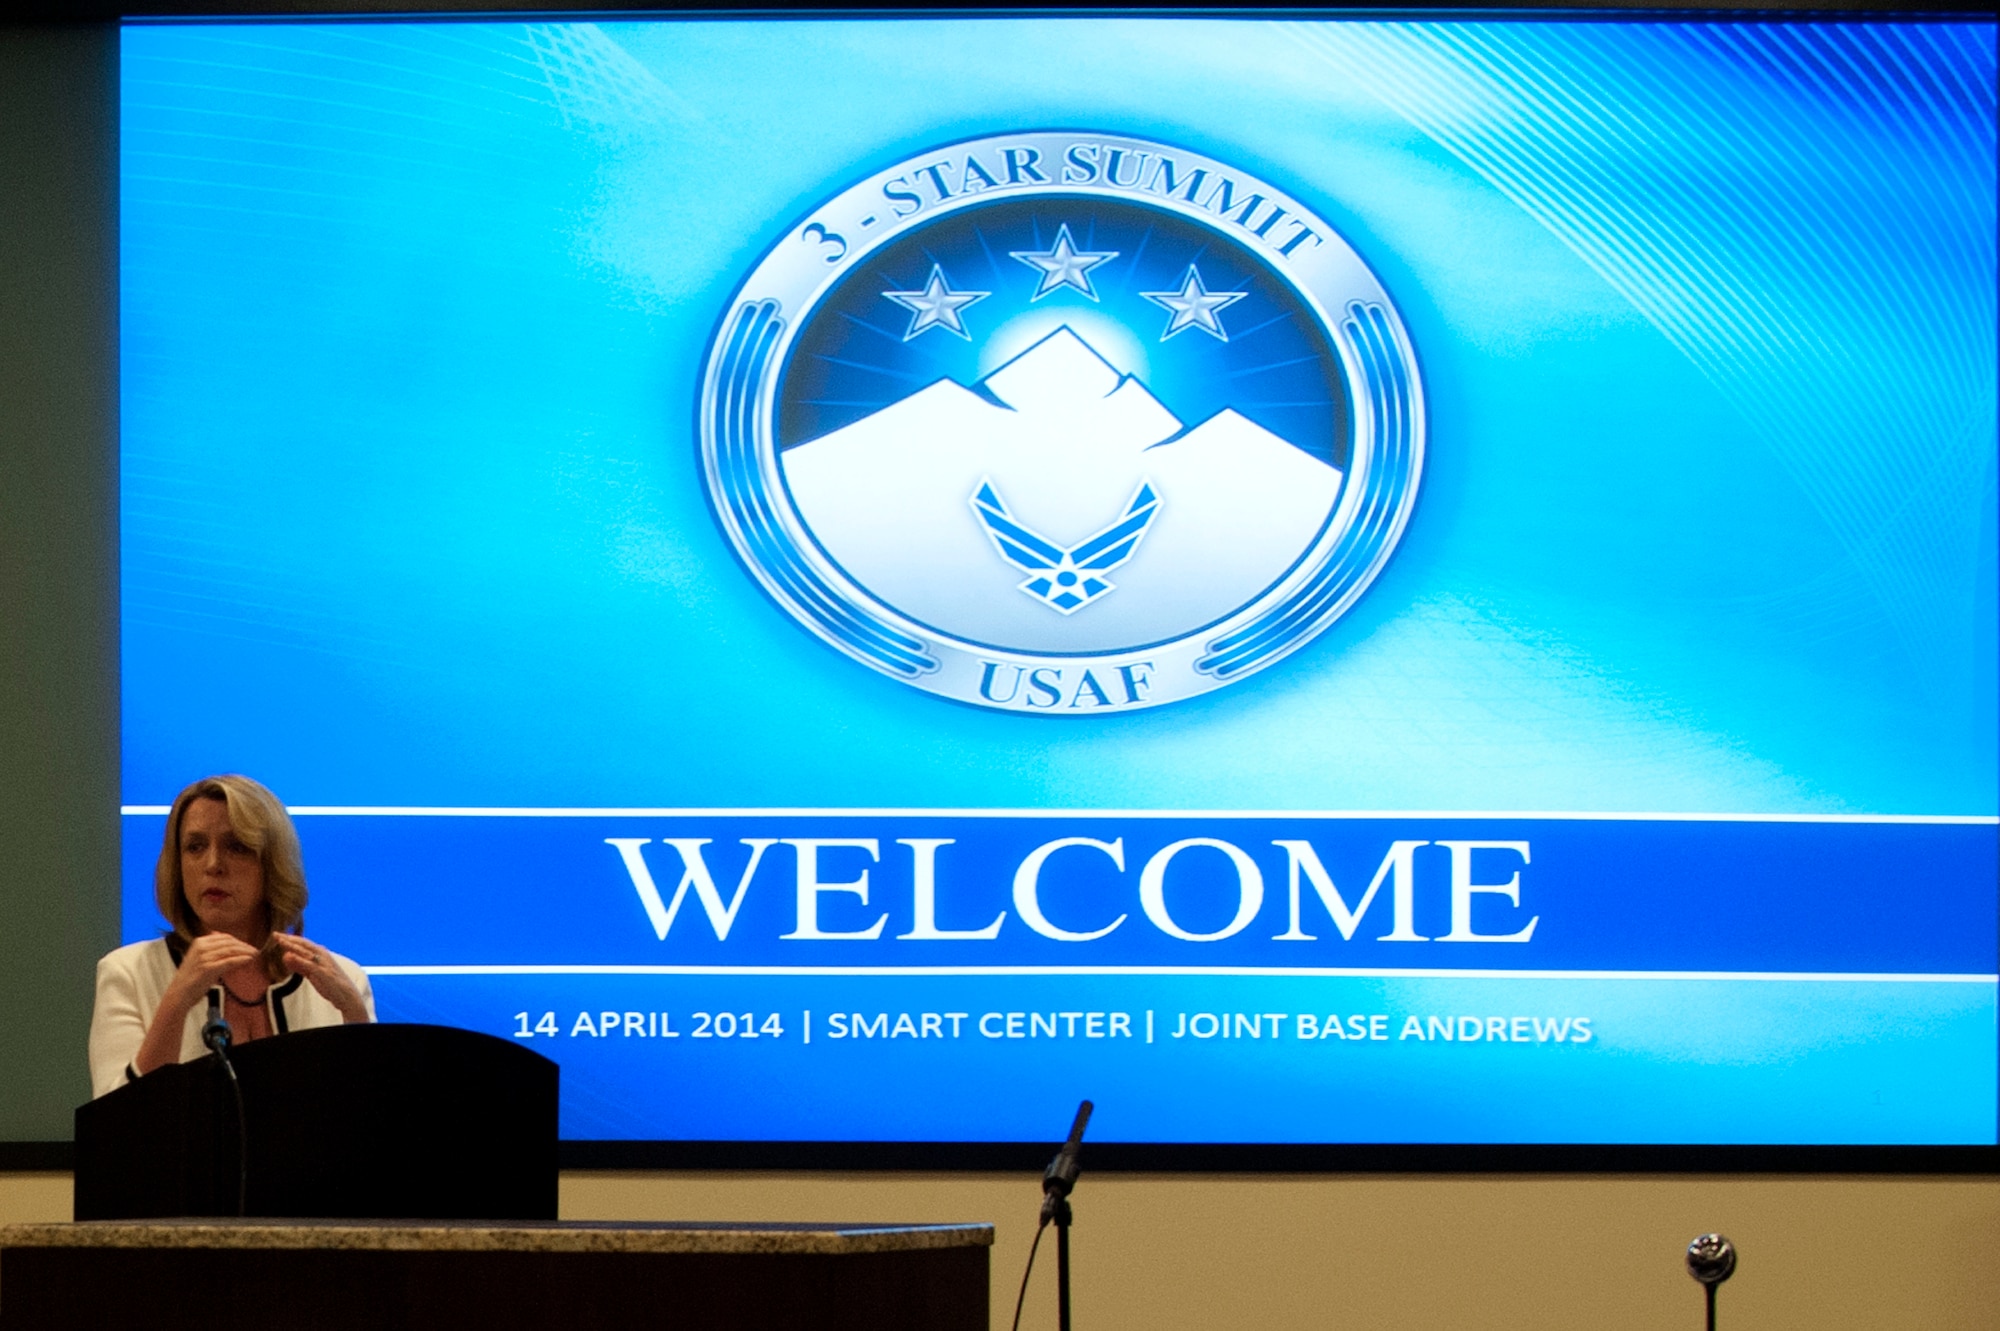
(246,1002)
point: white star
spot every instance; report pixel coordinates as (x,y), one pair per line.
(937,305)
(1194,306)
(1064,266)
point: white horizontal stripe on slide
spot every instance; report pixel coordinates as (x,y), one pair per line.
(1278,972)
(422,811)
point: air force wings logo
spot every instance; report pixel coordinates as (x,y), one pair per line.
(1065,580)
(1062,423)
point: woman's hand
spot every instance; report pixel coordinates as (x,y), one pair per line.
(309,959)
(207,960)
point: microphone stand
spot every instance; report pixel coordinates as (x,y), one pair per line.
(1711,1259)
(1062,1219)
(1057,1182)
(216,1035)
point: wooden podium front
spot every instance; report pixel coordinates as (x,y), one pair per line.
(436,1276)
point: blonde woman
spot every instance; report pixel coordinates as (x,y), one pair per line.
(231,881)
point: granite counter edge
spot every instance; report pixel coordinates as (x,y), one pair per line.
(475,1237)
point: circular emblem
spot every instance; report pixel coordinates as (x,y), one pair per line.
(1063,423)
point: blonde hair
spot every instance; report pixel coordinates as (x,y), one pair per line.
(260,822)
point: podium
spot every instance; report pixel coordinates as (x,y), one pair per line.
(386,1122)
(417,1165)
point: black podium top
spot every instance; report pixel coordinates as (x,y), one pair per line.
(362,1121)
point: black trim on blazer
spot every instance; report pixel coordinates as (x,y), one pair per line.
(278,997)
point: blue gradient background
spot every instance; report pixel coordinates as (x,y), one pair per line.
(411,323)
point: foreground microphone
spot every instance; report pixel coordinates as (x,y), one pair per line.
(1711,1259)
(215,1031)
(1061,1174)
(216,1035)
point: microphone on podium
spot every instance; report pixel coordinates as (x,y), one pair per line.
(1711,1259)
(215,1033)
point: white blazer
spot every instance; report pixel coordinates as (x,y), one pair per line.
(131,982)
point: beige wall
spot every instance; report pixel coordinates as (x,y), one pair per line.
(1388,1253)
(26,1198)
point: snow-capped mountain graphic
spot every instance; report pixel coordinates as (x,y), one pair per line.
(1068,440)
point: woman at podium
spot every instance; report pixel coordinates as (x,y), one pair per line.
(231,881)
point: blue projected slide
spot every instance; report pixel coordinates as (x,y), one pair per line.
(1310,582)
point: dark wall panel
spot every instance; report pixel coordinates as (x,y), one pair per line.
(58,561)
